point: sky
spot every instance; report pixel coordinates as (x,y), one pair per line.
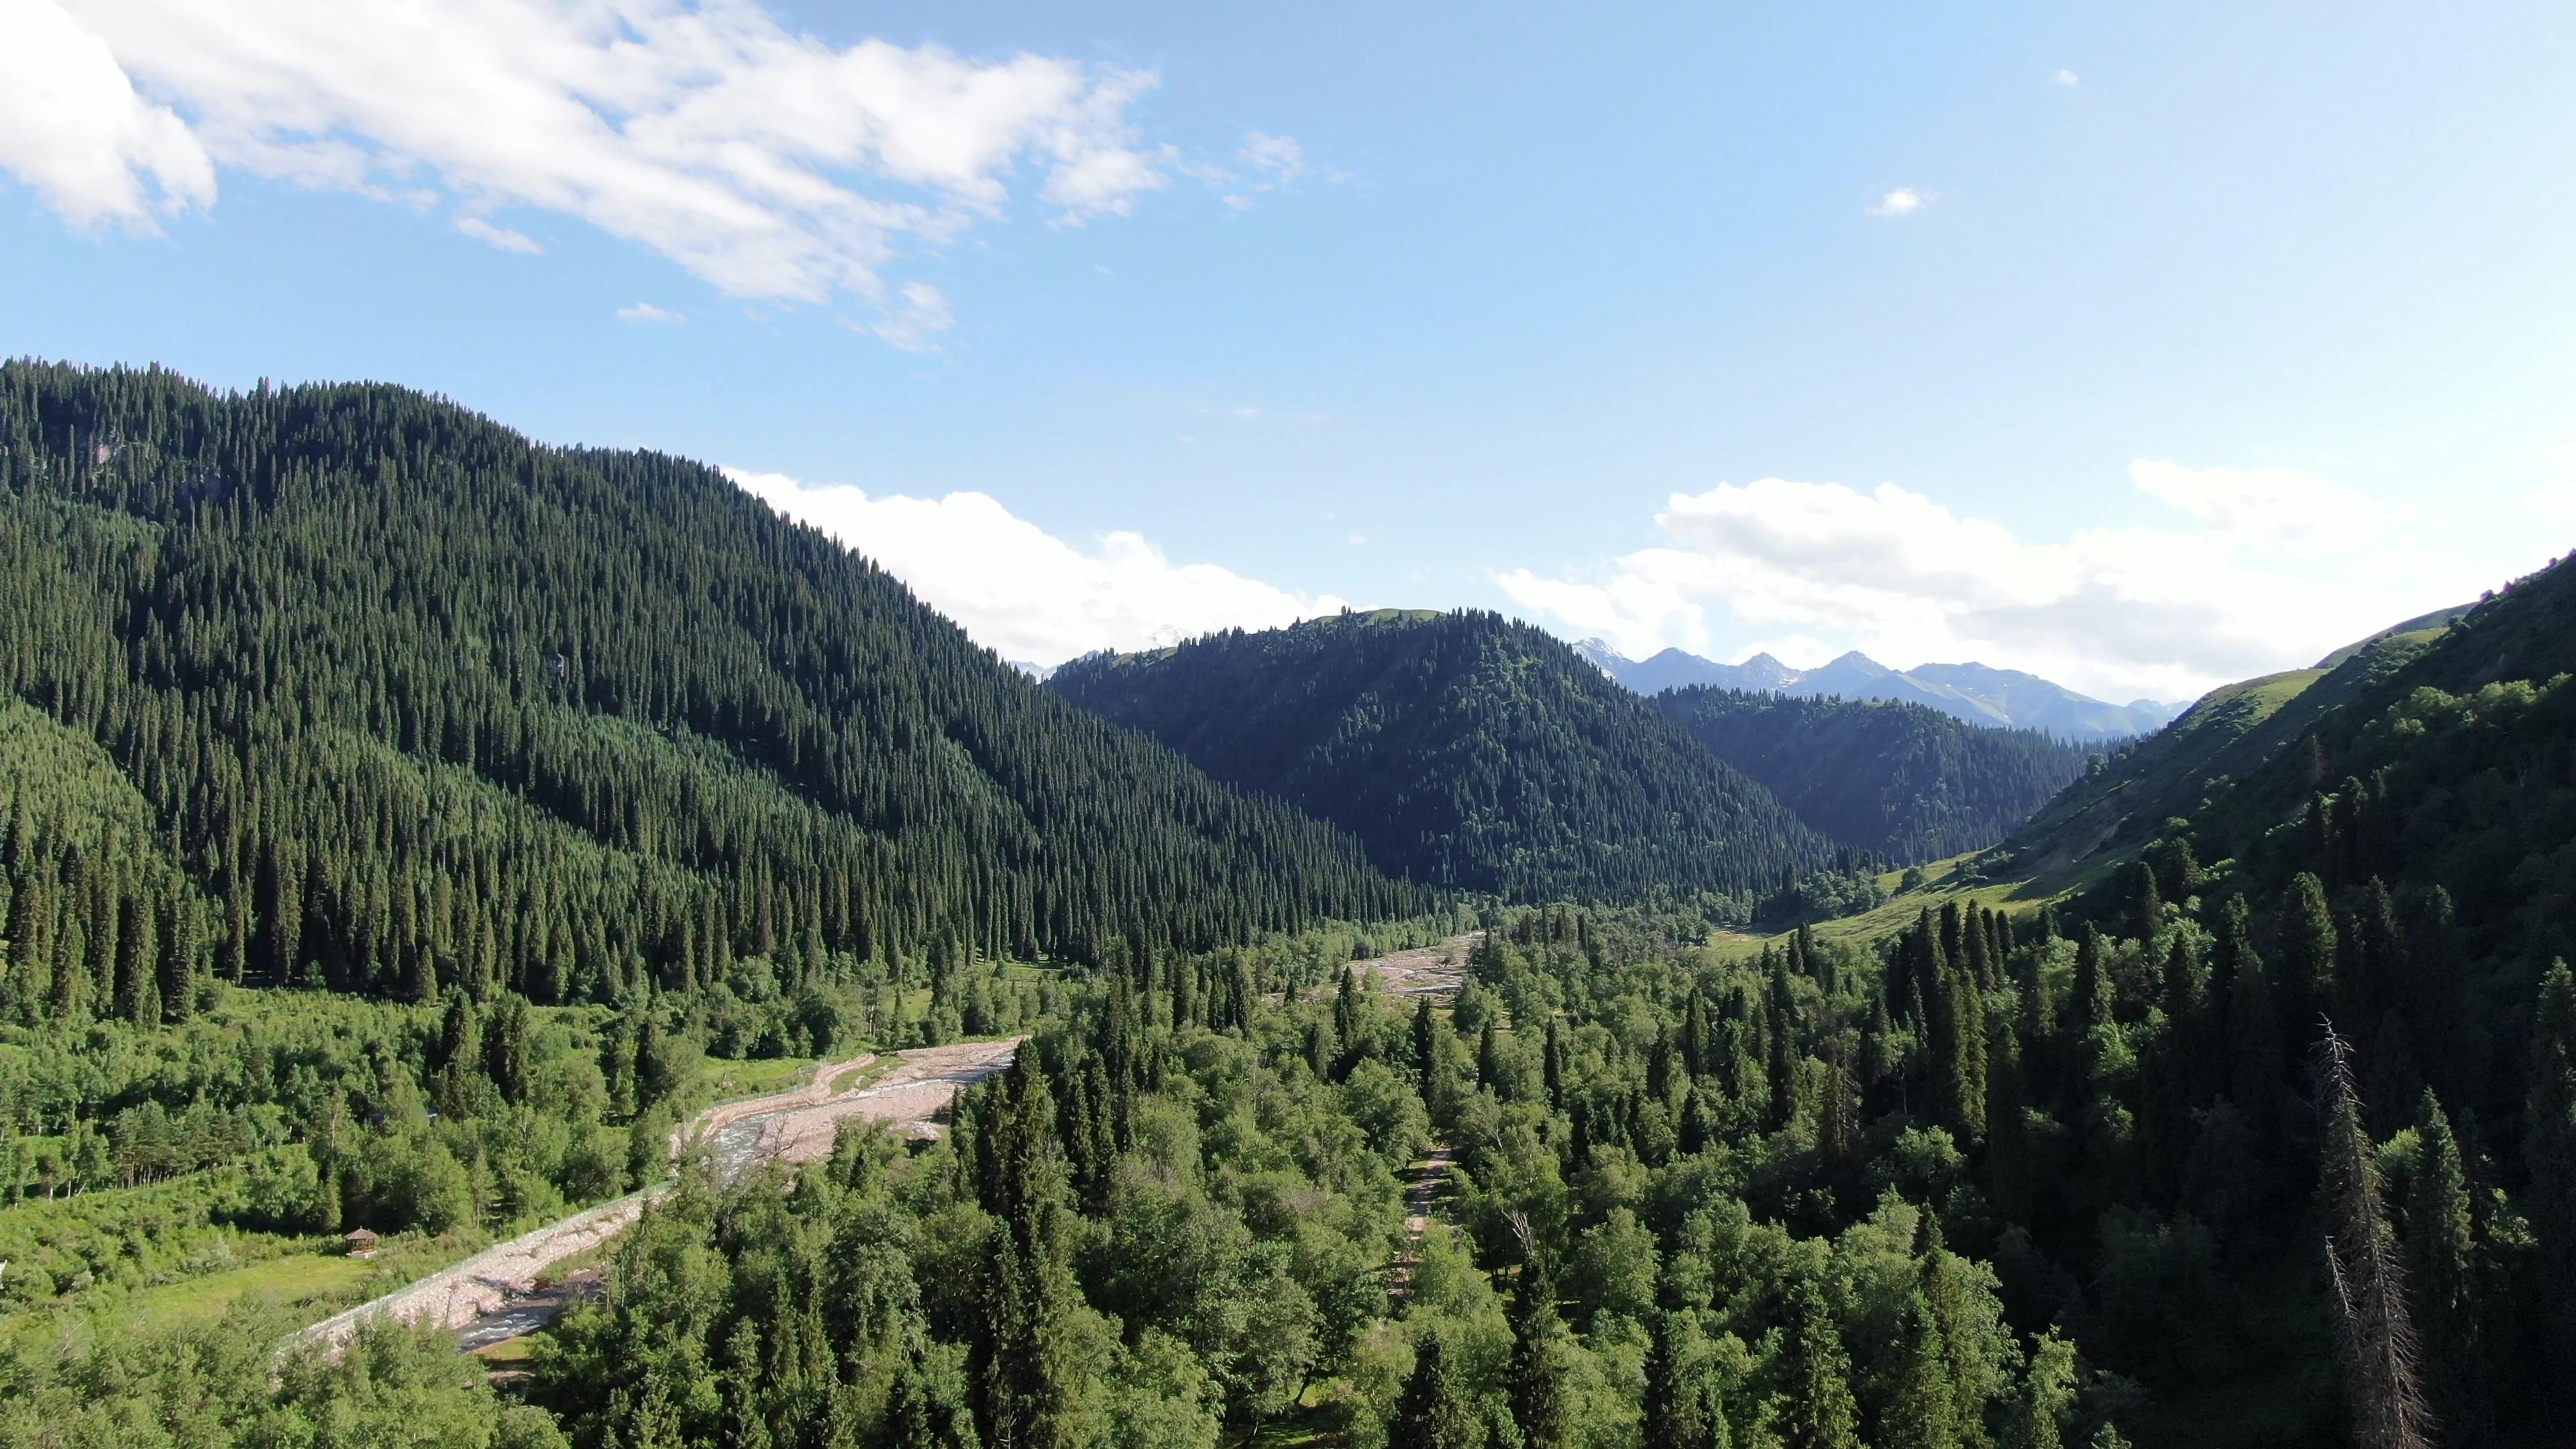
(2141,347)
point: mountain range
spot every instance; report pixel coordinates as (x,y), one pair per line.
(1469,750)
(1465,750)
(1977,693)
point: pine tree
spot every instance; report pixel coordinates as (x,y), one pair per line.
(916,1417)
(2256,1066)
(2549,1155)
(1542,1399)
(2088,1003)
(2379,972)
(2375,1338)
(1434,1412)
(178,954)
(2308,958)
(2145,908)
(1020,1359)
(2009,1173)
(505,1048)
(2035,1025)
(1426,1058)
(1695,1132)
(1781,1064)
(1677,1414)
(2441,1274)
(1838,1117)
(1922,1408)
(1698,1043)
(1817,1410)
(1349,1025)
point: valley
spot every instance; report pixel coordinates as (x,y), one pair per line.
(548,868)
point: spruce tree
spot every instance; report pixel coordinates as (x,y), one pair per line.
(2009,1173)
(1435,1413)
(1426,1058)
(2375,1337)
(1349,1026)
(1678,1415)
(2441,1276)
(1542,1399)
(2256,1067)
(1817,1410)
(2549,1155)
(2146,910)
(2088,1003)
(1922,1408)
(2309,959)
(1020,1359)
(1781,1064)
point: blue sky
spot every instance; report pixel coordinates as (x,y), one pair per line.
(2140,346)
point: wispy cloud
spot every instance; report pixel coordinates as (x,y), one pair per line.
(2067,78)
(1263,162)
(915,320)
(1900,201)
(1280,156)
(499,236)
(647,312)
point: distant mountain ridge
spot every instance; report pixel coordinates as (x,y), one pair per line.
(1977,693)
(1466,750)
(1905,781)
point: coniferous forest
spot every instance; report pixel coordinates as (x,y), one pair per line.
(403,825)
(1468,751)
(348,687)
(1903,780)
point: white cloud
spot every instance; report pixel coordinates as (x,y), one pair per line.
(2067,78)
(499,236)
(2252,586)
(1279,155)
(647,312)
(1024,592)
(2270,508)
(1274,162)
(72,127)
(1902,201)
(766,162)
(919,314)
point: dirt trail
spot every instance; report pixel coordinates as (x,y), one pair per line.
(1424,1181)
(489,1294)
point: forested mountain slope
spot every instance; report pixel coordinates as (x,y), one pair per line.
(2229,733)
(1903,780)
(1466,750)
(2432,759)
(347,685)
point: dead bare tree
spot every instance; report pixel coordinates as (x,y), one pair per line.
(2382,1382)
